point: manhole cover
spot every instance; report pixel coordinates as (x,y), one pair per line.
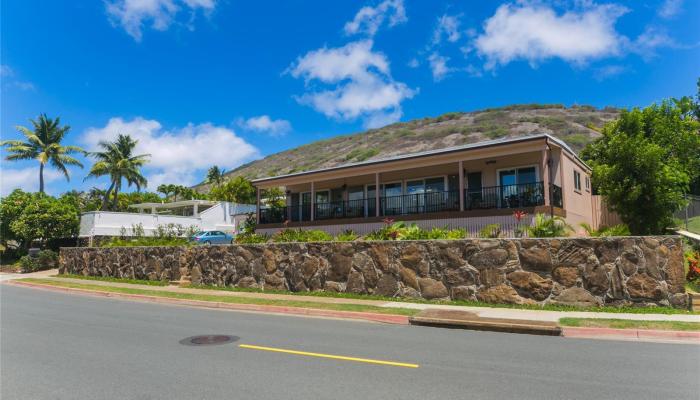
(208,340)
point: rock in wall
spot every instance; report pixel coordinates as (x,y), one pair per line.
(580,272)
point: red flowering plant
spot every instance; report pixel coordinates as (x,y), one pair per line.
(693,260)
(519,215)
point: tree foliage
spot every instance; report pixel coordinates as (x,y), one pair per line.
(43,143)
(645,161)
(237,190)
(179,192)
(27,217)
(117,161)
(215,175)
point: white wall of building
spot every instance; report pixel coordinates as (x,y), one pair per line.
(222,216)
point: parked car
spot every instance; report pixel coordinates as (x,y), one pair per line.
(212,237)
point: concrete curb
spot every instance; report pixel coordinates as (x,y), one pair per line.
(311,312)
(468,320)
(632,334)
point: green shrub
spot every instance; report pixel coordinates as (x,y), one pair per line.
(347,235)
(147,241)
(545,226)
(615,230)
(45,259)
(369,153)
(300,235)
(400,231)
(252,238)
(490,231)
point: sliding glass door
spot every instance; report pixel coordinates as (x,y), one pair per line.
(517,186)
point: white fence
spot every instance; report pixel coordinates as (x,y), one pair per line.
(222,216)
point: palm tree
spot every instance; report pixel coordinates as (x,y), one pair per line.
(118,161)
(215,175)
(44,145)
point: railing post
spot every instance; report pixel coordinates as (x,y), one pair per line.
(461,186)
(257,205)
(313,202)
(376,194)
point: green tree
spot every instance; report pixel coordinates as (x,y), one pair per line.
(215,175)
(237,190)
(273,197)
(10,209)
(43,144)
(166,189)
(27,217)
(117,161)
(127,199)
(644,162)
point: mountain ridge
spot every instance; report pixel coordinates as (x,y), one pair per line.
(576,125)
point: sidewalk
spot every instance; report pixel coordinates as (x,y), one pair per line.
(481,312)
(40,274)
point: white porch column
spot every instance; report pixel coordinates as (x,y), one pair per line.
(461,186)
(545,176)
(313,200)
(257,204)
(195,211)
(376,193)
(153,210)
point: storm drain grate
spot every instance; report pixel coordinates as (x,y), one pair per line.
(208,340)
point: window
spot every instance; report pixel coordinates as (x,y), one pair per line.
(577,181)
(588,184)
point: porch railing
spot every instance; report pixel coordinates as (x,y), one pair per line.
(507,196)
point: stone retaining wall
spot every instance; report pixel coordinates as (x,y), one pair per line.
(579,272)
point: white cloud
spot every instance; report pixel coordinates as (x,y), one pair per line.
(670,8)
(26,179)
(10,80)
(369,19)
(447,26)
(132,15)
(413,63)
(360,80)
(6,71)
(265,124)
(535,32)
(177,155)
(609,71)
(438,66)
(22,85)
(650,40)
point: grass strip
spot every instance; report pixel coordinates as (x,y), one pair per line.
(630,324)
(467,303)
(111,279)
(225,299)
(692,287)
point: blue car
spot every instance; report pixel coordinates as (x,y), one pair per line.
(212,237)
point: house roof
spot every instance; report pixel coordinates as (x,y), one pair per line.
(469,146)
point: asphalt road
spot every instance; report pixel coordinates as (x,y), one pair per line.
(61,346)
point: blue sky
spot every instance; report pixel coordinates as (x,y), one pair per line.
(203,82)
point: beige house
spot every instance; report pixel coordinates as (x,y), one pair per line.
(466,186)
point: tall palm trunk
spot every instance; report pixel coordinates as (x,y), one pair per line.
(105,201)
(115,202)
(41,177)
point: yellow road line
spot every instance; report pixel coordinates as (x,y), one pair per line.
(344,358)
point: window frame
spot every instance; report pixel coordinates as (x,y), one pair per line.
(577,181)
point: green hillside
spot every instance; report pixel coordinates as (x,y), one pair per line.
(576,125)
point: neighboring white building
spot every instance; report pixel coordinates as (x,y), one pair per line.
(199,214)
